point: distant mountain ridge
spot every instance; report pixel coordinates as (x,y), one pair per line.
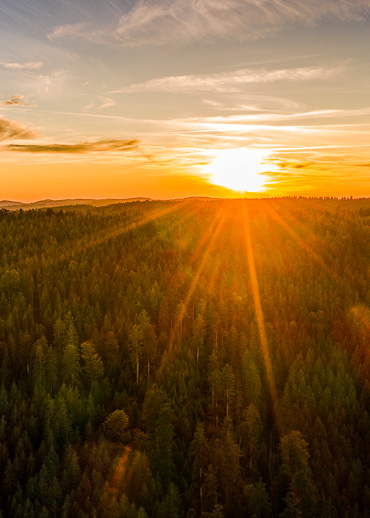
(331,202)
(41,204)
(14,205)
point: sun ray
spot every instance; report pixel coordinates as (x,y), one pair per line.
(89,242)
(133,226)
(360,358)
(215,229)
(121,468)
(205,238)
(182,217)
(259,313)
(276,216)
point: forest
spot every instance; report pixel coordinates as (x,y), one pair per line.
(186,359)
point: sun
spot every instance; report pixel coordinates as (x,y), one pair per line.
(238,169)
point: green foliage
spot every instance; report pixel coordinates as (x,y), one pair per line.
(92,365)
(151,308)
(115,425)
(258,500)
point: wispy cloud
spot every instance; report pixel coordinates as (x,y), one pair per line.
(13,130)
(28,65)
(102,146)
(102,102)
(71,30)
(272,117)
(16,100)
(167,22)
(106,102)
(321,175)
(249,102)
(227,82)
(87,107)
(159,22)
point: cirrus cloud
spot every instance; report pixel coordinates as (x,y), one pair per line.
(28,65)
(160,22)
(227,82)
(70,30)
(167,22)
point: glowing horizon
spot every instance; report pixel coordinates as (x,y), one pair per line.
(239,169)
(128,99)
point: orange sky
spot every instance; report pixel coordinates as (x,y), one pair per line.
(126,99)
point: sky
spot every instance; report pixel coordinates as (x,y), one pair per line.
(174,98)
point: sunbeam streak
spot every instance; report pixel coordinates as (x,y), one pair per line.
(216,228)
(299,240)
(259,313)
(92,241)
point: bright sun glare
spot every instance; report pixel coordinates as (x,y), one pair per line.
(238,169)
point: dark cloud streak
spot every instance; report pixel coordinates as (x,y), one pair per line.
(108,146)
(285,164)
(16,100)
(13,130)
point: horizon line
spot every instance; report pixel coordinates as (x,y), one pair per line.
(214,198)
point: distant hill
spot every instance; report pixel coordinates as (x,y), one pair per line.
(14,205)
(7,204)
(317,202)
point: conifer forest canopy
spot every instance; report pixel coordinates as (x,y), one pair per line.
(185,359)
